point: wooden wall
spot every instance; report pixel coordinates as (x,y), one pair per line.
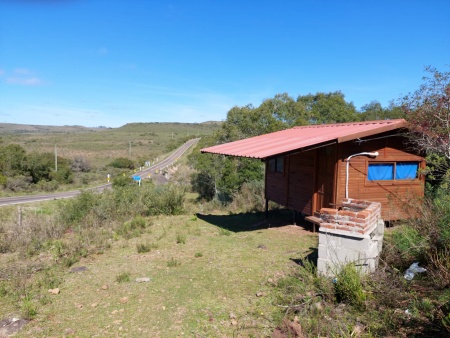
(392,195)
(295,187)
(301,181)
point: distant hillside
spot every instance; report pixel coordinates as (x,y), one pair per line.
(176,127)
(13,128)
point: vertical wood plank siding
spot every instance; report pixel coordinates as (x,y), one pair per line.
(295,187)
(393,195)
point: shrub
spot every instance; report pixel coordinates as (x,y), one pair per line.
(122,181)
(348,286)
(122,163)
(75,209)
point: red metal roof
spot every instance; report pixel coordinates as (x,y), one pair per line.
(298,138)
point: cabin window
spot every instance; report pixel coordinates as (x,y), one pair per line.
(389,171)
(276,164)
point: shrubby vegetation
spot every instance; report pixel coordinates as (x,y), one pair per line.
(22,171)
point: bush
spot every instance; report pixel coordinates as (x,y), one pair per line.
(348,286)
(121,181)
(75,209)
(122,162)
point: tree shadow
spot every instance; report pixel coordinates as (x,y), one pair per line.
(251,221)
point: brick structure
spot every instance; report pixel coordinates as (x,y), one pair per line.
(352,233)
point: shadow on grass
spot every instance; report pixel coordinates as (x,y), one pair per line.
(311,257)
(251,221)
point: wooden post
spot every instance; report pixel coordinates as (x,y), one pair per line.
(267,208)
(20,217)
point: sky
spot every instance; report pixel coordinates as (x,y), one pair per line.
(108,63)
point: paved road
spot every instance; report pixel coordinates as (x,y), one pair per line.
(172,158)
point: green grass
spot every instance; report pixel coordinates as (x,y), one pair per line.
(187,295)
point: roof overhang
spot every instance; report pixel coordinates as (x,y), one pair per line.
(303,138)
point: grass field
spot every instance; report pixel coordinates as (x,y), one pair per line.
(137,141)
(205,281)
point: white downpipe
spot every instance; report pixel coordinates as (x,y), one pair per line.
(374,154)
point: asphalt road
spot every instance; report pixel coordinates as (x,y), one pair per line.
(172,158)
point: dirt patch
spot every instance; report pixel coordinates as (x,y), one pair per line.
(11,326)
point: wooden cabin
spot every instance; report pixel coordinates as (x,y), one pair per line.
(317,166)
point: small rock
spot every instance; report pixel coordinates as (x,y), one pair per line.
(317,306)
(94,304)
(232,315)
(54,291)
(270,280)
(123,300)
(143,280)
(78,269)
(79,306)
(69,332)
(105,287)
(164,308)
(114,312)
(260,294)
(234,322)
(262,246)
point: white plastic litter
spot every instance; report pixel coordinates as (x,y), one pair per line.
(412,270)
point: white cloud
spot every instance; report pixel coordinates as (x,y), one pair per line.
(25,81)
(21,71)
(21,76)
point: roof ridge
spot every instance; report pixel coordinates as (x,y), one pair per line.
(349,123)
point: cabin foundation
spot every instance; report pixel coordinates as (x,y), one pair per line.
(352,233)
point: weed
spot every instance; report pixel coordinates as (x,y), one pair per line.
(172,263)
(198,254)
(143,247)
(28,309)
(181,238)
(123,277)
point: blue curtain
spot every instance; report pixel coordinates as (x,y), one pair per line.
(381,171)
(406,170)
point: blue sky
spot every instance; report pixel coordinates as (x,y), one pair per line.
(95,62)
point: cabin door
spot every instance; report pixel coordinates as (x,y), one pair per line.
(325,164)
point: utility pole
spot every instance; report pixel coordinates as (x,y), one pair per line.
(56,158)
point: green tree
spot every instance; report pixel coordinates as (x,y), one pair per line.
(428,113)
(328,108)
(12,159)
(374,111)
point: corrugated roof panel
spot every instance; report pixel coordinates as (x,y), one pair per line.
(288,140)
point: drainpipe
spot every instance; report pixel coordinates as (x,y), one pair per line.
(374,154)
